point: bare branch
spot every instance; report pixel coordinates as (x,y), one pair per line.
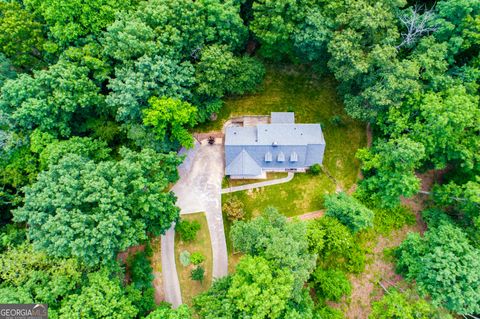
(417,24)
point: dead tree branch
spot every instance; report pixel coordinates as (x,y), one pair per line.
(417,24)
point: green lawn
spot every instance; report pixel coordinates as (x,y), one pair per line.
(202,244)
(314,100)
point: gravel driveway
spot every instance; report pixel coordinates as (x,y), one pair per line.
(198,190)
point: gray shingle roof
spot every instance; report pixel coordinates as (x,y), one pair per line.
(282,117)
(280,134)
(243,164)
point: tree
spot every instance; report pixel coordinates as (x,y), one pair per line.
(219,72)
(348,211)
(260,289)
(234,208)
(102,297)
(197,258)
(21,37)
(171,117)
(94,210)
(331,284)
(187,230)
(72,19)
(334,245)
(135,83)
(51,99)
(142,277)
(445,266)
(29,275)
(198,273)
(405,306)
(270,236)
(165,311)
(390,166)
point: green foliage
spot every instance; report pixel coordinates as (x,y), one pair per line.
(349,211)
(334,245)
(102,297)
(51,100)
(404,305)
(102,208)
(185,258)
(388,219)
(327,312)
(270,236)
(187,230)
(197,258)
(391,167)
(219,72)
(14,295)
(21,36)
(26,272)
(234,208)
(72,19)
(198,273)
(142,277)
(148,76)
(331,284)
(445,266)
(164,311)
(171,117)
(315,169)
(11,235)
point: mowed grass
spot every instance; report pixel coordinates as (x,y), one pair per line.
(202,244)
(314,100)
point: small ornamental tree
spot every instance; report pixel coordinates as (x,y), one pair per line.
(185,258)
(234,209)
(187,230)
(197,258)
(349,211)
(331,284)
(198,274)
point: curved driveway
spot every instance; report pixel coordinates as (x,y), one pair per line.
(198,190)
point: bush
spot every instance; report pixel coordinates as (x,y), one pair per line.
(388,219)
(331,284)
(140,270)
(234,209)
(336,120)
(185,258)
(197,258)
(315,169)
(349,211)
(187,230)
(148,249)
(198,274)
(329,313)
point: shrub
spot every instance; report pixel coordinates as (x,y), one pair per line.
(198,274)
(336,120)
(234,209)
(329,313)
(187,230)
(185,258)
(148,249)
(388,219)
(331,284)
(349,211)
(197,258)
(315,169)
(141,270)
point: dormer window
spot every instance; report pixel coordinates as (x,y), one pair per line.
(268,157)
(294,157)
(281,157)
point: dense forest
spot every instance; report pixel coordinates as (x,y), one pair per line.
(98,96)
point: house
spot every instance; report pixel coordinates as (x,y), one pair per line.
(280,146)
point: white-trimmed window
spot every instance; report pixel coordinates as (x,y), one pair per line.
(281,157)
(294,157)
(268,157)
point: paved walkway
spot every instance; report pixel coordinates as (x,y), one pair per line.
(198,190)
(260,184)
(171,286)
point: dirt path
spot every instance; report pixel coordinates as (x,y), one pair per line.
(308,216)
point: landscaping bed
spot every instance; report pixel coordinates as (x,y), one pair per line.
(201,244)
